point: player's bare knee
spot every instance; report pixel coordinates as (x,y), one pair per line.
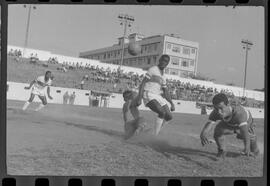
(217,133)
(161,114)
(168,116)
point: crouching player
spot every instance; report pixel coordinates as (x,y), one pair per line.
(38,88)
(230,119)
(134,124)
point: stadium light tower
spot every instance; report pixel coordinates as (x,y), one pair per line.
(27,26)
(125,20)
(246,46)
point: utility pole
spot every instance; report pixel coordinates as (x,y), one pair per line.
(246,46)
(27,27)
(125,20)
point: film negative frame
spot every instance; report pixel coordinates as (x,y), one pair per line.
(12,180)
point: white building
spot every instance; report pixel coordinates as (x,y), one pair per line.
(183,53)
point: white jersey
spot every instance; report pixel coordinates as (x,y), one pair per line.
(156,80)
(40,85)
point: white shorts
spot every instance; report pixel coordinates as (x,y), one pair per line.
(38,92)
(148,96)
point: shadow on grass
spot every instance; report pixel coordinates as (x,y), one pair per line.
(112,133)
(162,146)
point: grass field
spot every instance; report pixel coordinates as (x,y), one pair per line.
(75,140)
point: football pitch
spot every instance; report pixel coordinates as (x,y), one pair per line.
(82,141)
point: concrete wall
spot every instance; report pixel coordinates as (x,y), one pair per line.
(16,91)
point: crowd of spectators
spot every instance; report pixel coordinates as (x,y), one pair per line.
(15,53)
(117,81)
(53,60)
(177,89)
(103,75)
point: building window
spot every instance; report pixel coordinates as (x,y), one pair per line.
(184,74)
(145,49)
(174,72)
(169,46)
(148,60)
(155,59)
(155,46)
(176,49)
(186,51)
(192,62)
(175,61)
(185,63)
(150,48)
(193,50)
(166,71)
(104,57)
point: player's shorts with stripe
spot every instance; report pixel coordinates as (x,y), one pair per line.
(149,96)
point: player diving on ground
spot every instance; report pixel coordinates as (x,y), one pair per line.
(134,123)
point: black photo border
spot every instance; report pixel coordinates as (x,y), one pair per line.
(13,180)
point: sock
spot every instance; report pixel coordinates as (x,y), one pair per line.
(40,107)
(158,126)
(27,103)
(253,144)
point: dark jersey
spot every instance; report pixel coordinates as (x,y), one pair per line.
(240,116)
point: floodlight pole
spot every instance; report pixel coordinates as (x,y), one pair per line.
(246,46)
(27,28)
(126,20)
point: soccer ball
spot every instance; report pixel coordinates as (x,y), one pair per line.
(134,49)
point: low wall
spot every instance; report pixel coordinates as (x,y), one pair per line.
(16,91)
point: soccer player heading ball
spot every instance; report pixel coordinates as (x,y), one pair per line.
(39,86)
(153,90)
(230,119)
(134,124)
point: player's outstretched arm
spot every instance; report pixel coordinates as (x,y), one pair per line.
(31,84)
(244,133)
(168,98)
(205,131)
(49,93)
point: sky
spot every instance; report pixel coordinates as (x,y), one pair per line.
(70,29)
